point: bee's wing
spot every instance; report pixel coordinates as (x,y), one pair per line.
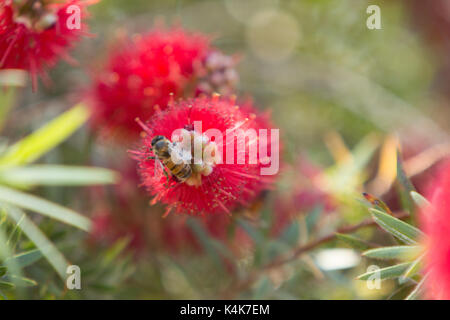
(159,169)
(178,154)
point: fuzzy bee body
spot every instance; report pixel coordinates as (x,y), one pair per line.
(162,148)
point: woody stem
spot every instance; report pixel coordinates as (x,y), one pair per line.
(242,284)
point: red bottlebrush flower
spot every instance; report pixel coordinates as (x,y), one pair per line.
(34,33)
(211,186)
(140,76)
(436,220)
(107,229)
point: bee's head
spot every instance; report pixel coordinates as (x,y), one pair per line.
(156,139)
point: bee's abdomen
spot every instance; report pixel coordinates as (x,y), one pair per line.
(185,172)
(181,171)
(161,149)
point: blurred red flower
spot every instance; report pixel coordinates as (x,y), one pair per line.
(177,236)
(214,186)
(107,228)
(436,220)
(140,76)
(35,34)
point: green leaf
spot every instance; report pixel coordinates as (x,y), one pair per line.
(27,258)
(401,230)
(22,281)
(56,175)
(115,250)
(312,217)
(205,242)
(345,177)
(352,241)
(414,268)
(401,175)
(254,233)
(263,289)
(42,206)
(420,201)
(6,285)
(3,271)
(405,185)
(46,138)
(6,253)
(14,236)
(394,252)
(415,294)
(33,233)
(291,233)
(386,273)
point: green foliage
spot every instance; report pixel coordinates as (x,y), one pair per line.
(419,200)
(338,77)
(15,173)
(394,252)
(36,204)
(399,229)
(386,273)
(48,250)
(412,253)
(353,241)
(56,175)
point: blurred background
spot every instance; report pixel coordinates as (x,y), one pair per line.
(343,96)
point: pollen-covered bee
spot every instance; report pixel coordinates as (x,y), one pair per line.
(163,149)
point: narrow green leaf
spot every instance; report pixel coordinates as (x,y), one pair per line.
(56,175)
(386,273)
(263,289)
(344,177)
(420,201)
(22,281)
(414,268)
(205,242)
(3,271)
(6,253)
(26,258)
(6,285)
(418,289)
(114,251)
(312,217)
(42,206)
(14,236)
(405,185)
(291,233)
(352,241)
(254,233)
(394,252)
(401,175)
(402,230)
(33,233)
(46,138)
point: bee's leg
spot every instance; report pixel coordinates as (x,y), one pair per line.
(174,185)
(151,158)
(167,178)
(166,174)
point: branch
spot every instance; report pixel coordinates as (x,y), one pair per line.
(244,284)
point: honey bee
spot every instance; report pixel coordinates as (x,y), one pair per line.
(163,148)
